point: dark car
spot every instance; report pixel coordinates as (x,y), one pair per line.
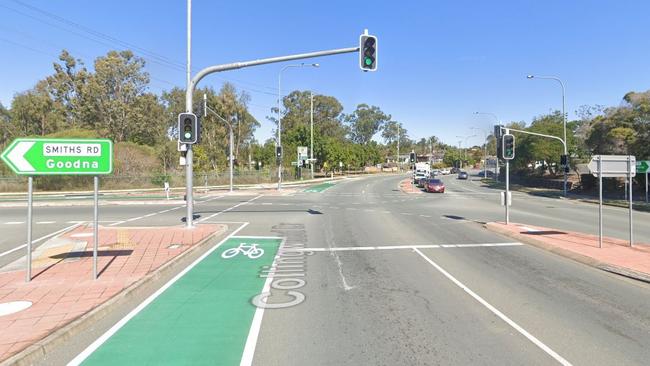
(489,173)
(454,170)
(463,175)
(435,186)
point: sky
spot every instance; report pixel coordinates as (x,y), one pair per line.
(438,61)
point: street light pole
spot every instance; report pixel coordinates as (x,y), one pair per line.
(563,120)
(279,139)
(399,165)
(311,122)
(496,143)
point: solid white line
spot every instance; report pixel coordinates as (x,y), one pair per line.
(255,237)
(37,240)
(254,332)
(143,216)
(230,208)
(412,247)
(104,337)
(496,311)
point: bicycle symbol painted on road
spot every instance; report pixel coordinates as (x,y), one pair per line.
(249,250)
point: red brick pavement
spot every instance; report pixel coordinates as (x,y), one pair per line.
(62,288)
(615,252)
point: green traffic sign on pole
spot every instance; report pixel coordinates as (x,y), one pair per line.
(642,166)
(36,156)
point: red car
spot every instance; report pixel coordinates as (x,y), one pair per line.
(435,186)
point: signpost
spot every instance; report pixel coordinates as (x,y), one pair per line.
(36,156)
(643,166)
(610,166)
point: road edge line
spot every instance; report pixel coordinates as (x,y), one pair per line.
(496,311)
(253,333)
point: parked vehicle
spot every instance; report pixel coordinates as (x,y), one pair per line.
(435,186)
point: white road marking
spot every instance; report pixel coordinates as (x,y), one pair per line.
(496,311)
(109,333)
(230,208)
(254,331)
(14,222)
(143,216)
(411,247)
(45,222)
(37,240)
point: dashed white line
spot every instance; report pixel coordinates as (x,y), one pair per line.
(45,222)
(14,222)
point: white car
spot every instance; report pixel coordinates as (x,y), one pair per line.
(445,171)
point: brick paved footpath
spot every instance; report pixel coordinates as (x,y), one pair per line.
(62,288)
(616,255)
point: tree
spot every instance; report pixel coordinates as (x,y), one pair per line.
(34,112)
(116,102)
(365,122)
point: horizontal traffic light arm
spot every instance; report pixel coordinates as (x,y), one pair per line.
(239,65)
(538,134)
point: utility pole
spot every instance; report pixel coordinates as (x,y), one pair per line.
(311,118)
(189,169)
(399,165)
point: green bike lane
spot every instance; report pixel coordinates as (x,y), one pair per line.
(202,318)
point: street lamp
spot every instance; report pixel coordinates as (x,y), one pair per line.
(484,150)
(466,137)
(280,116)
(496,168)
(563,119)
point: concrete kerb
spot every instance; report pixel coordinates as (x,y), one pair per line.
(580,258)
(40,349)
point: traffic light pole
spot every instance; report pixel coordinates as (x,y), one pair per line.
(507,197)
(555,138)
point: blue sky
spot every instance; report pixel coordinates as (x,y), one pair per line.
(439,61)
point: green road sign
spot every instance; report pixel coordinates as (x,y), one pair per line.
(34,156)
(642,166)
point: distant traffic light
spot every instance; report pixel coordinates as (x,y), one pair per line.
(188,128)
(412,157)
(508,147)
(498,137)
(564,160)
(368,52)
(278,152)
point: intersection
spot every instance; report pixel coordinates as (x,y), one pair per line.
(399,278)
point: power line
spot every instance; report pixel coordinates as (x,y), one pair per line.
(145,53)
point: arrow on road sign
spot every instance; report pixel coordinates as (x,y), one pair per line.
(16,156)
(642,166)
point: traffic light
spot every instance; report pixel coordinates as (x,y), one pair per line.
(188,128)
(498,137)
(508,147)
(564,160)
(412,157)
(368,52)
(278,153)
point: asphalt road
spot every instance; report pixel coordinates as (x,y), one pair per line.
(414,279)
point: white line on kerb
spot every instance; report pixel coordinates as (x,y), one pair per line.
(397,247)
(496,311)
(254,331)
(109,333)
(37,240)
